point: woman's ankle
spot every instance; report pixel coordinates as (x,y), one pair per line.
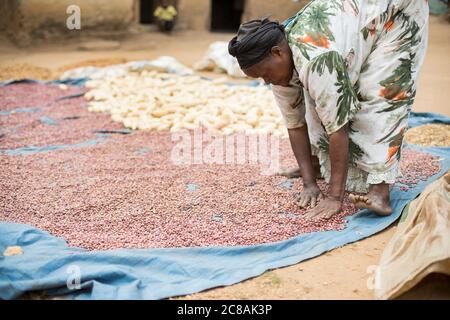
(380,190)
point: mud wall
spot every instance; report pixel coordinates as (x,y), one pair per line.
(27,21)
(196,14)
(277,10)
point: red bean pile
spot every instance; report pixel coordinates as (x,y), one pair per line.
(127,193)
(416,167)
(73,123)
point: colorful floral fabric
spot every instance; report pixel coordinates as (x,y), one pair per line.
(357,63)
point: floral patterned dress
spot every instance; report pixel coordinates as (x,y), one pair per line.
(356,62)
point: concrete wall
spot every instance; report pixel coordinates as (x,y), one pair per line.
(30,20)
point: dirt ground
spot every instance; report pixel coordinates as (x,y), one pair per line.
(339,274)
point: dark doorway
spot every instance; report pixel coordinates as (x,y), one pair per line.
(146,9)
(226,15)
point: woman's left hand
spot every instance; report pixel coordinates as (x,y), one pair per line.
(326,208)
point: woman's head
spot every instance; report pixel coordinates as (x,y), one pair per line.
(263,52)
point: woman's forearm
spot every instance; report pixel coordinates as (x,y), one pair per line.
(302,150)
(339,162)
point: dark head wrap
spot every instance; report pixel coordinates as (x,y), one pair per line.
(254,41)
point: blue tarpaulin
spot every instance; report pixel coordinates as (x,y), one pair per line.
(47,263)
(72,81)
(438,7)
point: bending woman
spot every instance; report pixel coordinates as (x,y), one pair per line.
(344,75)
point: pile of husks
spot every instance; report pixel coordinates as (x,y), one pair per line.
(430,135)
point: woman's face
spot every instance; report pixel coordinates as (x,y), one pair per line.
(275,69)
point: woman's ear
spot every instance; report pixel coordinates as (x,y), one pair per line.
(276,51)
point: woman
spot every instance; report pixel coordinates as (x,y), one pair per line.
(344,75)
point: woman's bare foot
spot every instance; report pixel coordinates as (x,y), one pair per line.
(289,172)
(295,172)
(326,208)
(376,200)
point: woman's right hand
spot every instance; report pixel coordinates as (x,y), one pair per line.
(310,195)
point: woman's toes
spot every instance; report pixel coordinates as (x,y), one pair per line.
(366,200)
